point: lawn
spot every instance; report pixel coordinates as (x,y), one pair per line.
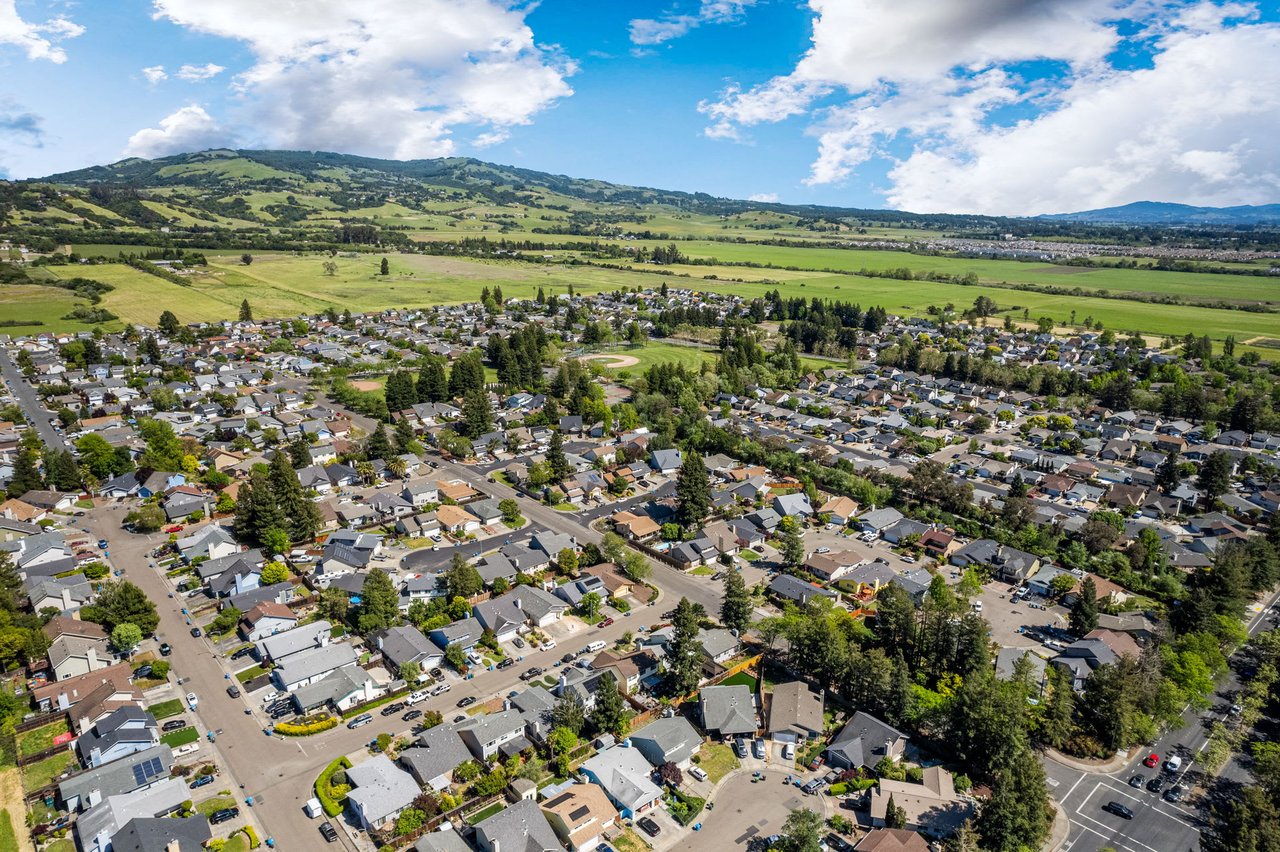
(250,673)
(38,739)
(740,678)
(629,841)
(165,709)
(211,806)
(485,813)
(180,737)
(237,843)
(717,760)
(42,773)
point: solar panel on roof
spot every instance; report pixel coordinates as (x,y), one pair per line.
(579,813)
(150,768)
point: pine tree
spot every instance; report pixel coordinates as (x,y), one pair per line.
(401,392)
(684,654)
(26,471)
(11,587)
(736,609)
(1168,476)
(256,508)
(560,469)
(246,312)
(384,268)
(379,602)
(300,515)
(477,416)
(169,323)
(61,471)
(693,492)
(433,384)
(792,542)
(609,715)
(379,445)
(1084,612)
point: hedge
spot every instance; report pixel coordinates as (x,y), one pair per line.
(254,843)
(286,729)
(331,808)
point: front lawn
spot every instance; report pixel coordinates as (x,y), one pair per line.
(211,806)
(180,737)
(629,841)
(165,709)
(62,844)
(717,761)
(703,571)
(38,739)
(749,555)
(42,773)
(250,673)
(237,843)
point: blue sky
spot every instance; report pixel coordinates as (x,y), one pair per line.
(997,106)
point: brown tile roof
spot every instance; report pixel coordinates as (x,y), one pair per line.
(61,624)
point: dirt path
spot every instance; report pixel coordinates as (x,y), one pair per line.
(12,801)
(618,361)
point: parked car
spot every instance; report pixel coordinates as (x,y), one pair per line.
(466,701)
(506,663)
(233,691)
(392,709)
(441,689)
(202,781)
(1175,793)
(165,649)
(173,725)
(531,673)
(606,622)
(270,697)
(789,751)
(195,631)
(757,748)
(1173,764)
(437,673)
(812,787)
(1151,760)
(360,721)
(242,653)
(224,815)
(416,697)
(1136,782)
(518,642)
(549,645)
(141,671)
(740,747)
(568,658)
(328,832)
(697,772)
(411,715)
(192,700)
(1114,807)
(649,827)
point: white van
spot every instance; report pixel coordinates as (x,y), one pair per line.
(696,772)
(595,647)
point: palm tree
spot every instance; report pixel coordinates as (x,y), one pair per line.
(365,471)
(397,467)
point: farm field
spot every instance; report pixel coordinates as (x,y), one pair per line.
(1192,284)
(42,308)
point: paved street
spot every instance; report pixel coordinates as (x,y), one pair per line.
(1158,825)
(36,414)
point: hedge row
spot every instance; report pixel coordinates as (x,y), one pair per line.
(331,808)
(305,730)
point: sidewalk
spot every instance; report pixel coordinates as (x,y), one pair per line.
(1115,764)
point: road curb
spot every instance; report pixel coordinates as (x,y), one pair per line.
(1059,831)
(1115,764)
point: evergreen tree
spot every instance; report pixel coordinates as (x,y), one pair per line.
(61,471)
(246,312)
(477,415)
(151,349)
(560,469)
(433,384)
(684,654)
(384,268)
(1215,475)
(894,816)
(401,392)
(379,602)
(568,713)
(1016,817)
(609,715)
(11,586)
(1168,476)
(379,445)
(462,579)
(120,601)
(693,492)
(26,471)
(256,508)
(299,452)
(1084,612)
(736,608)
(169,324)
(792,542)
(300,516)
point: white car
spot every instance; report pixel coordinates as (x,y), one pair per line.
(416,698)
(549,645)
(270,696)
(192,700)
(823,550)
(441,689)
(789,751)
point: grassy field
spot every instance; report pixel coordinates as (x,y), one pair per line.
(717,760)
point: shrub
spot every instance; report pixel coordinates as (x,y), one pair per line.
(838,789)
(962,783)
(305,729)
(160,669)
(254,842)
(915,775)
(466,772)
(330,800)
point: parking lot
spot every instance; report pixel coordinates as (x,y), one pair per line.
(1156,826)
(746,812)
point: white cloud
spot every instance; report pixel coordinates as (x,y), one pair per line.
(383,78)
(196,73)
(884,75)
(38,41)
(768,197)
(154,74)
(672,24)
(190,128)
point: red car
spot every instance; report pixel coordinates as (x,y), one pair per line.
(606,622)
(176,528)
(1151,760)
